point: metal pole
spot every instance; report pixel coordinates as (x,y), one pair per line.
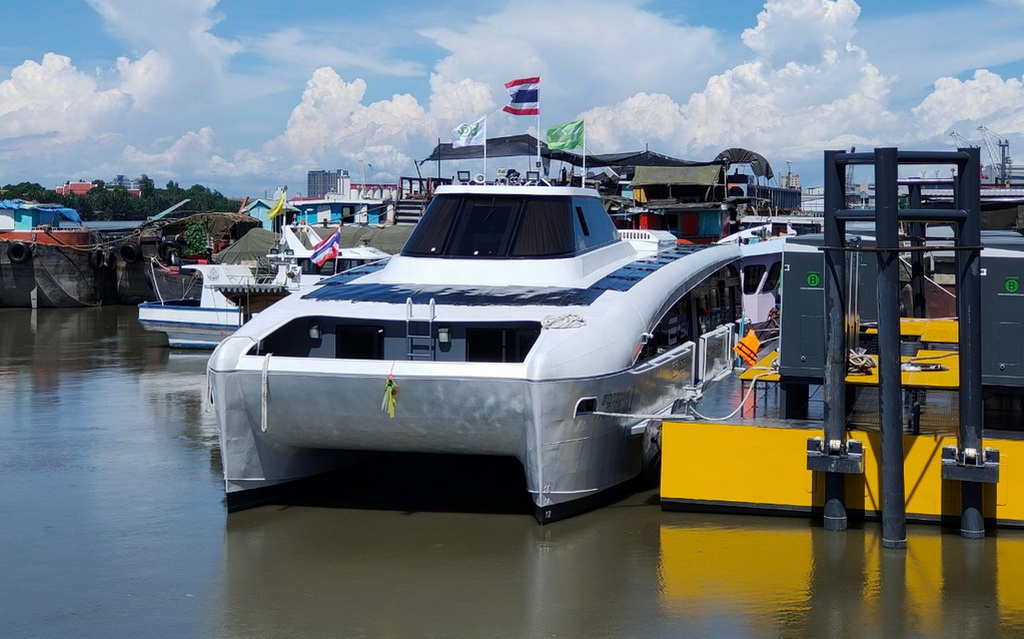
(834,390)
(917,232)
(967,197)
(890,388)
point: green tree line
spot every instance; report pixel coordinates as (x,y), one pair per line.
(116,203)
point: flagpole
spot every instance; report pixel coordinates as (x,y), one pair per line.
(485,149)
(583,180)
(539,164)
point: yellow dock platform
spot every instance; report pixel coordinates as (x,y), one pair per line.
(761,465)
(940,331)
(774,477)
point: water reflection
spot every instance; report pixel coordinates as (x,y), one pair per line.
(380,573)
(627,570)
(791,579)
(111,509)
(114,526)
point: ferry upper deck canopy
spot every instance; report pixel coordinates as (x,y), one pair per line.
(501,222)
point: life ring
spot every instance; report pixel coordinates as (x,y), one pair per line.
(97,259)
(19,252)
(167,249)
(129,252)
(479,178)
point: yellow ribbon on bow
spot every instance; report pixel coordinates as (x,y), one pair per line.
(388,402)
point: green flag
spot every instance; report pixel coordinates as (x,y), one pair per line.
(566,136)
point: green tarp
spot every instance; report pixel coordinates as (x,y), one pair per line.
(678,175)
(251,248)
(389,239)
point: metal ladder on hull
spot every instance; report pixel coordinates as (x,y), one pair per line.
(419,332)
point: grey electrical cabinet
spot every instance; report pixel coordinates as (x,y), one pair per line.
(1002,317)
(802,319)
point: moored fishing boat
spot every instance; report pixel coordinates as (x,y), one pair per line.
(515,322)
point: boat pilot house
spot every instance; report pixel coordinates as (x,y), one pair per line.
(511,227)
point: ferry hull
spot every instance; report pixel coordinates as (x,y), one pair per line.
(572,463)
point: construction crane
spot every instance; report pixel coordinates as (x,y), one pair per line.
(961,142)
(1001,161)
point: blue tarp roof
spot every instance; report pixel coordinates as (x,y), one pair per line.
(53,209)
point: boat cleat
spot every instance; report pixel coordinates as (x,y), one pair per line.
(835,455)
(969,465)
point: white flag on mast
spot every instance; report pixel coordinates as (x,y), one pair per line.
(470,134)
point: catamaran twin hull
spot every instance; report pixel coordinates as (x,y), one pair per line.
(566,457)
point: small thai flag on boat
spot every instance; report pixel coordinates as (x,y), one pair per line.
(525,96)
(327,248)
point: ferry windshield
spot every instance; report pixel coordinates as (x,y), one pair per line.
(510,227)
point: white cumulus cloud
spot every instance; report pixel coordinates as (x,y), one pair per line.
(261,109)
(986,97)
(795,95)
(54,99)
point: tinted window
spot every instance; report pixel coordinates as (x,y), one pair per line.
(484,229)
(359,342)
(752,275)
(509,226)
(500,344)
(599,229)
(431,234)
(773,277)
(546,230)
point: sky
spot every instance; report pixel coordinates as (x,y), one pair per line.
(244,96)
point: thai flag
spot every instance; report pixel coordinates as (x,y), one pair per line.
(525,96)
(327,248)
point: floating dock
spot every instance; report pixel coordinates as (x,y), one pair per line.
(924,424)
(774,477)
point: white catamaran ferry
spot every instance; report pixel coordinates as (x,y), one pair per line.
(515,322)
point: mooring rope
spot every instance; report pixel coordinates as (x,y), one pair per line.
(859,363)
(768,370)
(570,320)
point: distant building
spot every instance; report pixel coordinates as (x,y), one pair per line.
(81,187)
(813,199)
(132,184)
(74,188)
(260,209)
(320,183)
